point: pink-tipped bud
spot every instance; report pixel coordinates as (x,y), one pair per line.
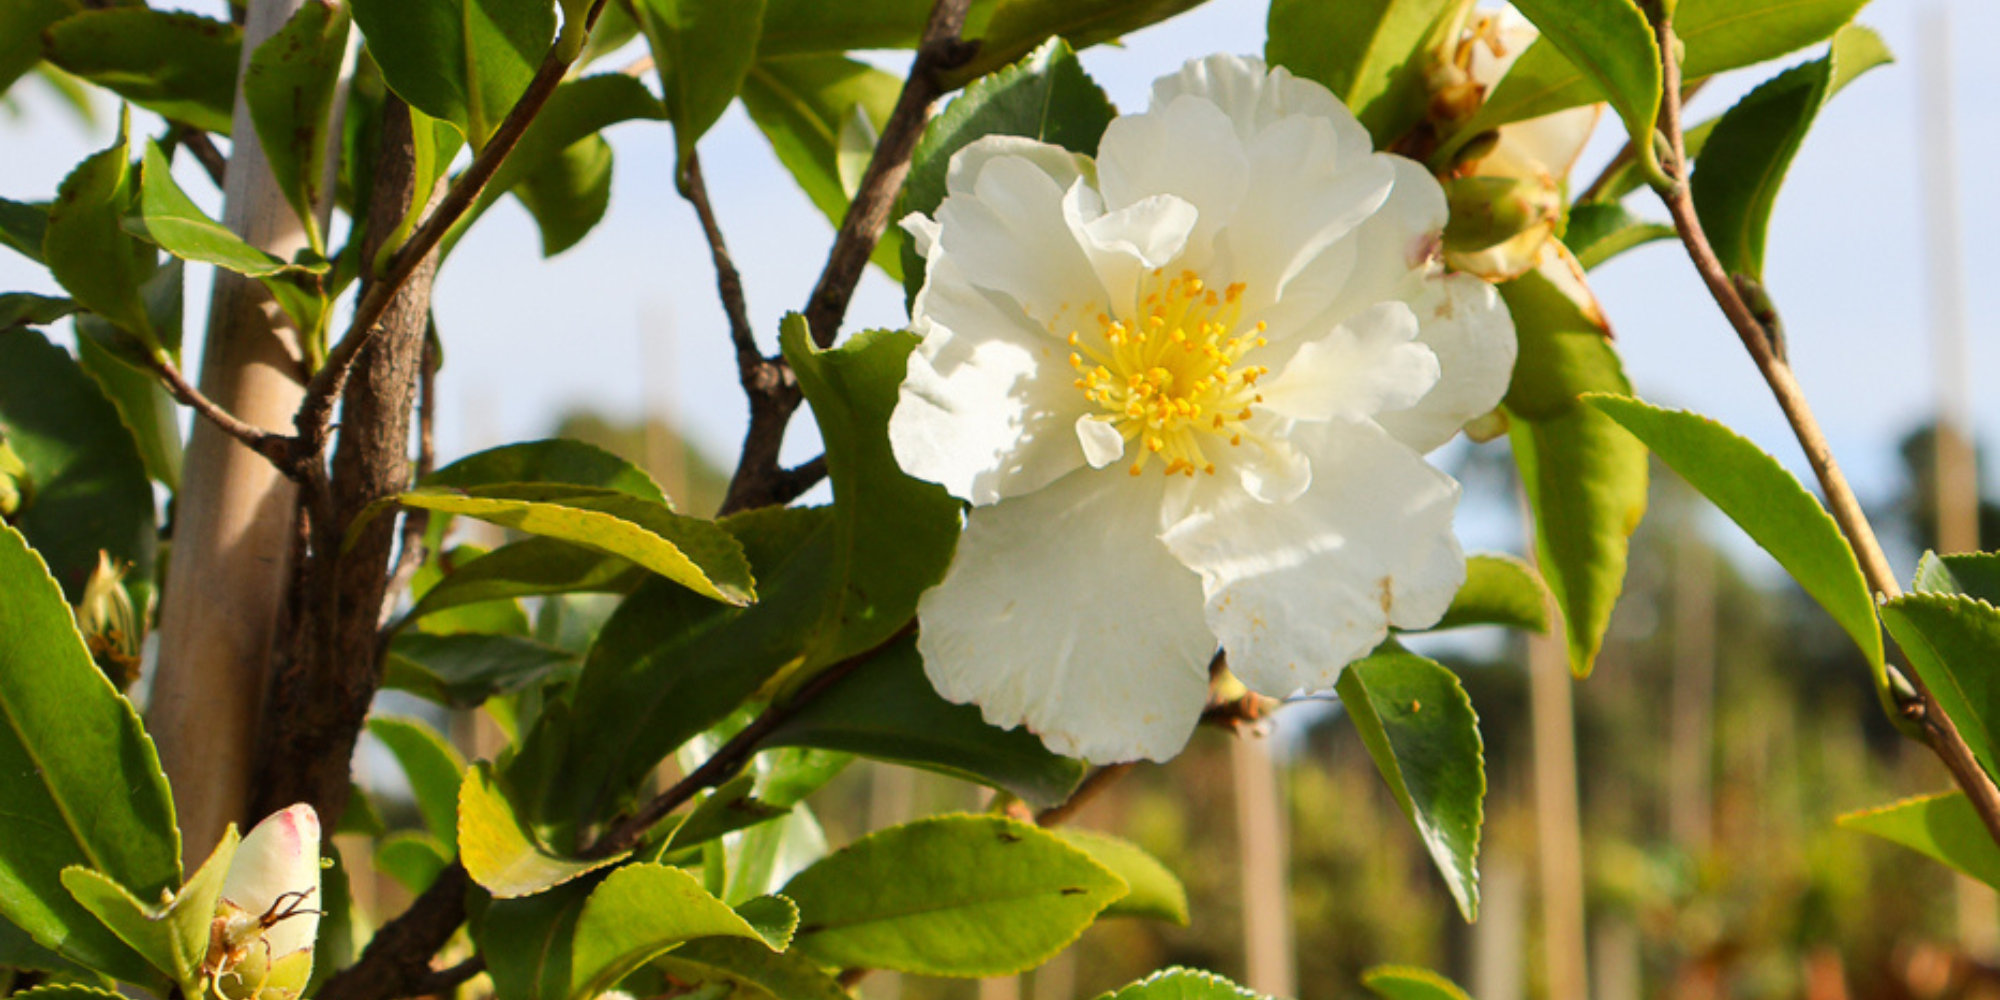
(261,942)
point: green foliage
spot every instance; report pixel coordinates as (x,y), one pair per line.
(1419,726)
(171,220)
(88,251)
(1768,503)
(29,309)
(1943,827)
(749,969)
(1401,982)
(181,65)
(1611,42)
(460,61)
(1374,54)
(1599,231)
(1743,164)
(80,782)
(289,87)
(89,492)
(175,936)
(21,25)
(550,461)
(22,227)
(499,851)
(568,196)
(642,910)
(1498,590)
(143,404)
(701,49)
(529,567)
(1953,642)
(1046,97)
(1183,984)
(1018,27)
(776,782)
(1976,574)
(433,767)
(949,896)
(1153,891)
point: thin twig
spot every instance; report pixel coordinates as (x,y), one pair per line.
(199,146)
(271,445)
(728,282)
(443,981)
(1939,731)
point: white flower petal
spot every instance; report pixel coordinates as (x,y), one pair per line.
(962,173)
(1366,366)
(1297,591)
(1255,97)
(1008,233)
(1102,444)
(985,406)
(1187,148)
(1308,188)
(275,871)
(1462,320)
(1125,244)
(1062,611)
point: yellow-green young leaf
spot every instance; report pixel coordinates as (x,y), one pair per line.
(1945,827)
(88,251)
(556,460)
(181,65)
(800,105)
(1613,44)
(639,911)
(172,220)
(1743,164)
(1975,574)
(497,849)
(433,767)
(532,566)
(949,896)
(1413,716)
(1498,590)
(1953,641)
(1767,502)
(80,782)
(1154,891)
(569,195)
(174,937)
(749,969)
(289,87)
(1401,982)
(1599,231)
(701,49)
(1183,984)
(1373,54)
(461,61)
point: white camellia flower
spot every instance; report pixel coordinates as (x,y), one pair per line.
(1187,388)
(261,944)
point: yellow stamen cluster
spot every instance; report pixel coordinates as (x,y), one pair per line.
(1174,373)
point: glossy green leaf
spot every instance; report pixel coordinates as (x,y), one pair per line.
(80,782)
(1019,27)
(1046,97)
(1767,502)
(532,566)
(498,850)
(1975,574)
(1373,54)
(773,918)
(1953,641)
(462,61)
(172,220)
(181,65)
(19,951)
(800,105)
(638,912)
(23,225)
(413,859)
(88,250)
(527,942)
(495,617)
(949,896)
(1599,231)
(1612,43)
(29,309)
(1945,827)
(463,670)
(174,937)
(289,87)
(90,489)
(433,767)
(569,195)
(1498,590)
(893,535)
(1419,727)
(795,28)
(21,25)
(701,49)
(1402,982)
(689,551)
(1183,984)
(1743,164)
(887,710)
(143,404)
(775,782)
(555,460)
(1155,893)
(750,970)
(68,991)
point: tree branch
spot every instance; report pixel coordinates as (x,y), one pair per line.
(397,961)
(1940,733)
(271,445)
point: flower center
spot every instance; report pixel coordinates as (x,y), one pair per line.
(1173,375)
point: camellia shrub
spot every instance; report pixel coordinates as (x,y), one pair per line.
(1149,455)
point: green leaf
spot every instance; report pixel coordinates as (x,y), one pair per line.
(569,195)
(1768,503)
(1945,827)
(498,851)
(702,49)
(893,536)
(68,991)
(434,768)
(413,859)
(143,404)
(462,61)
(29,309)
(1183,984)
(23,225)
(1498,590)
(949,896)
(1612,43)
(87,250)
(530,567)
(800,105)
(90,489)
(1018,27)
(638,912)
(1419,726)
(1953,642)
(496,617)
(795,28)
(80,782)
(21,25)
(774,919)
(172,220)
(1046,97)
(1976,574)
(1373,54)
(181,65)
(887,710)
(1401,982)
(555,460)
(750,969)
(1154,893)
(1599,231)
(776,781)
(1743,164)
(527,942)
(289,87)
(689,551)
(174,937)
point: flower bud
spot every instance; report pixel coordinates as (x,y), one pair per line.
(261,943)
(1488,211)
(109,623)
(15,486)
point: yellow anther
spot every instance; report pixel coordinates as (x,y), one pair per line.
(1209,468)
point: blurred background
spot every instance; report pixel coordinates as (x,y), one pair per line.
(1663,829)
